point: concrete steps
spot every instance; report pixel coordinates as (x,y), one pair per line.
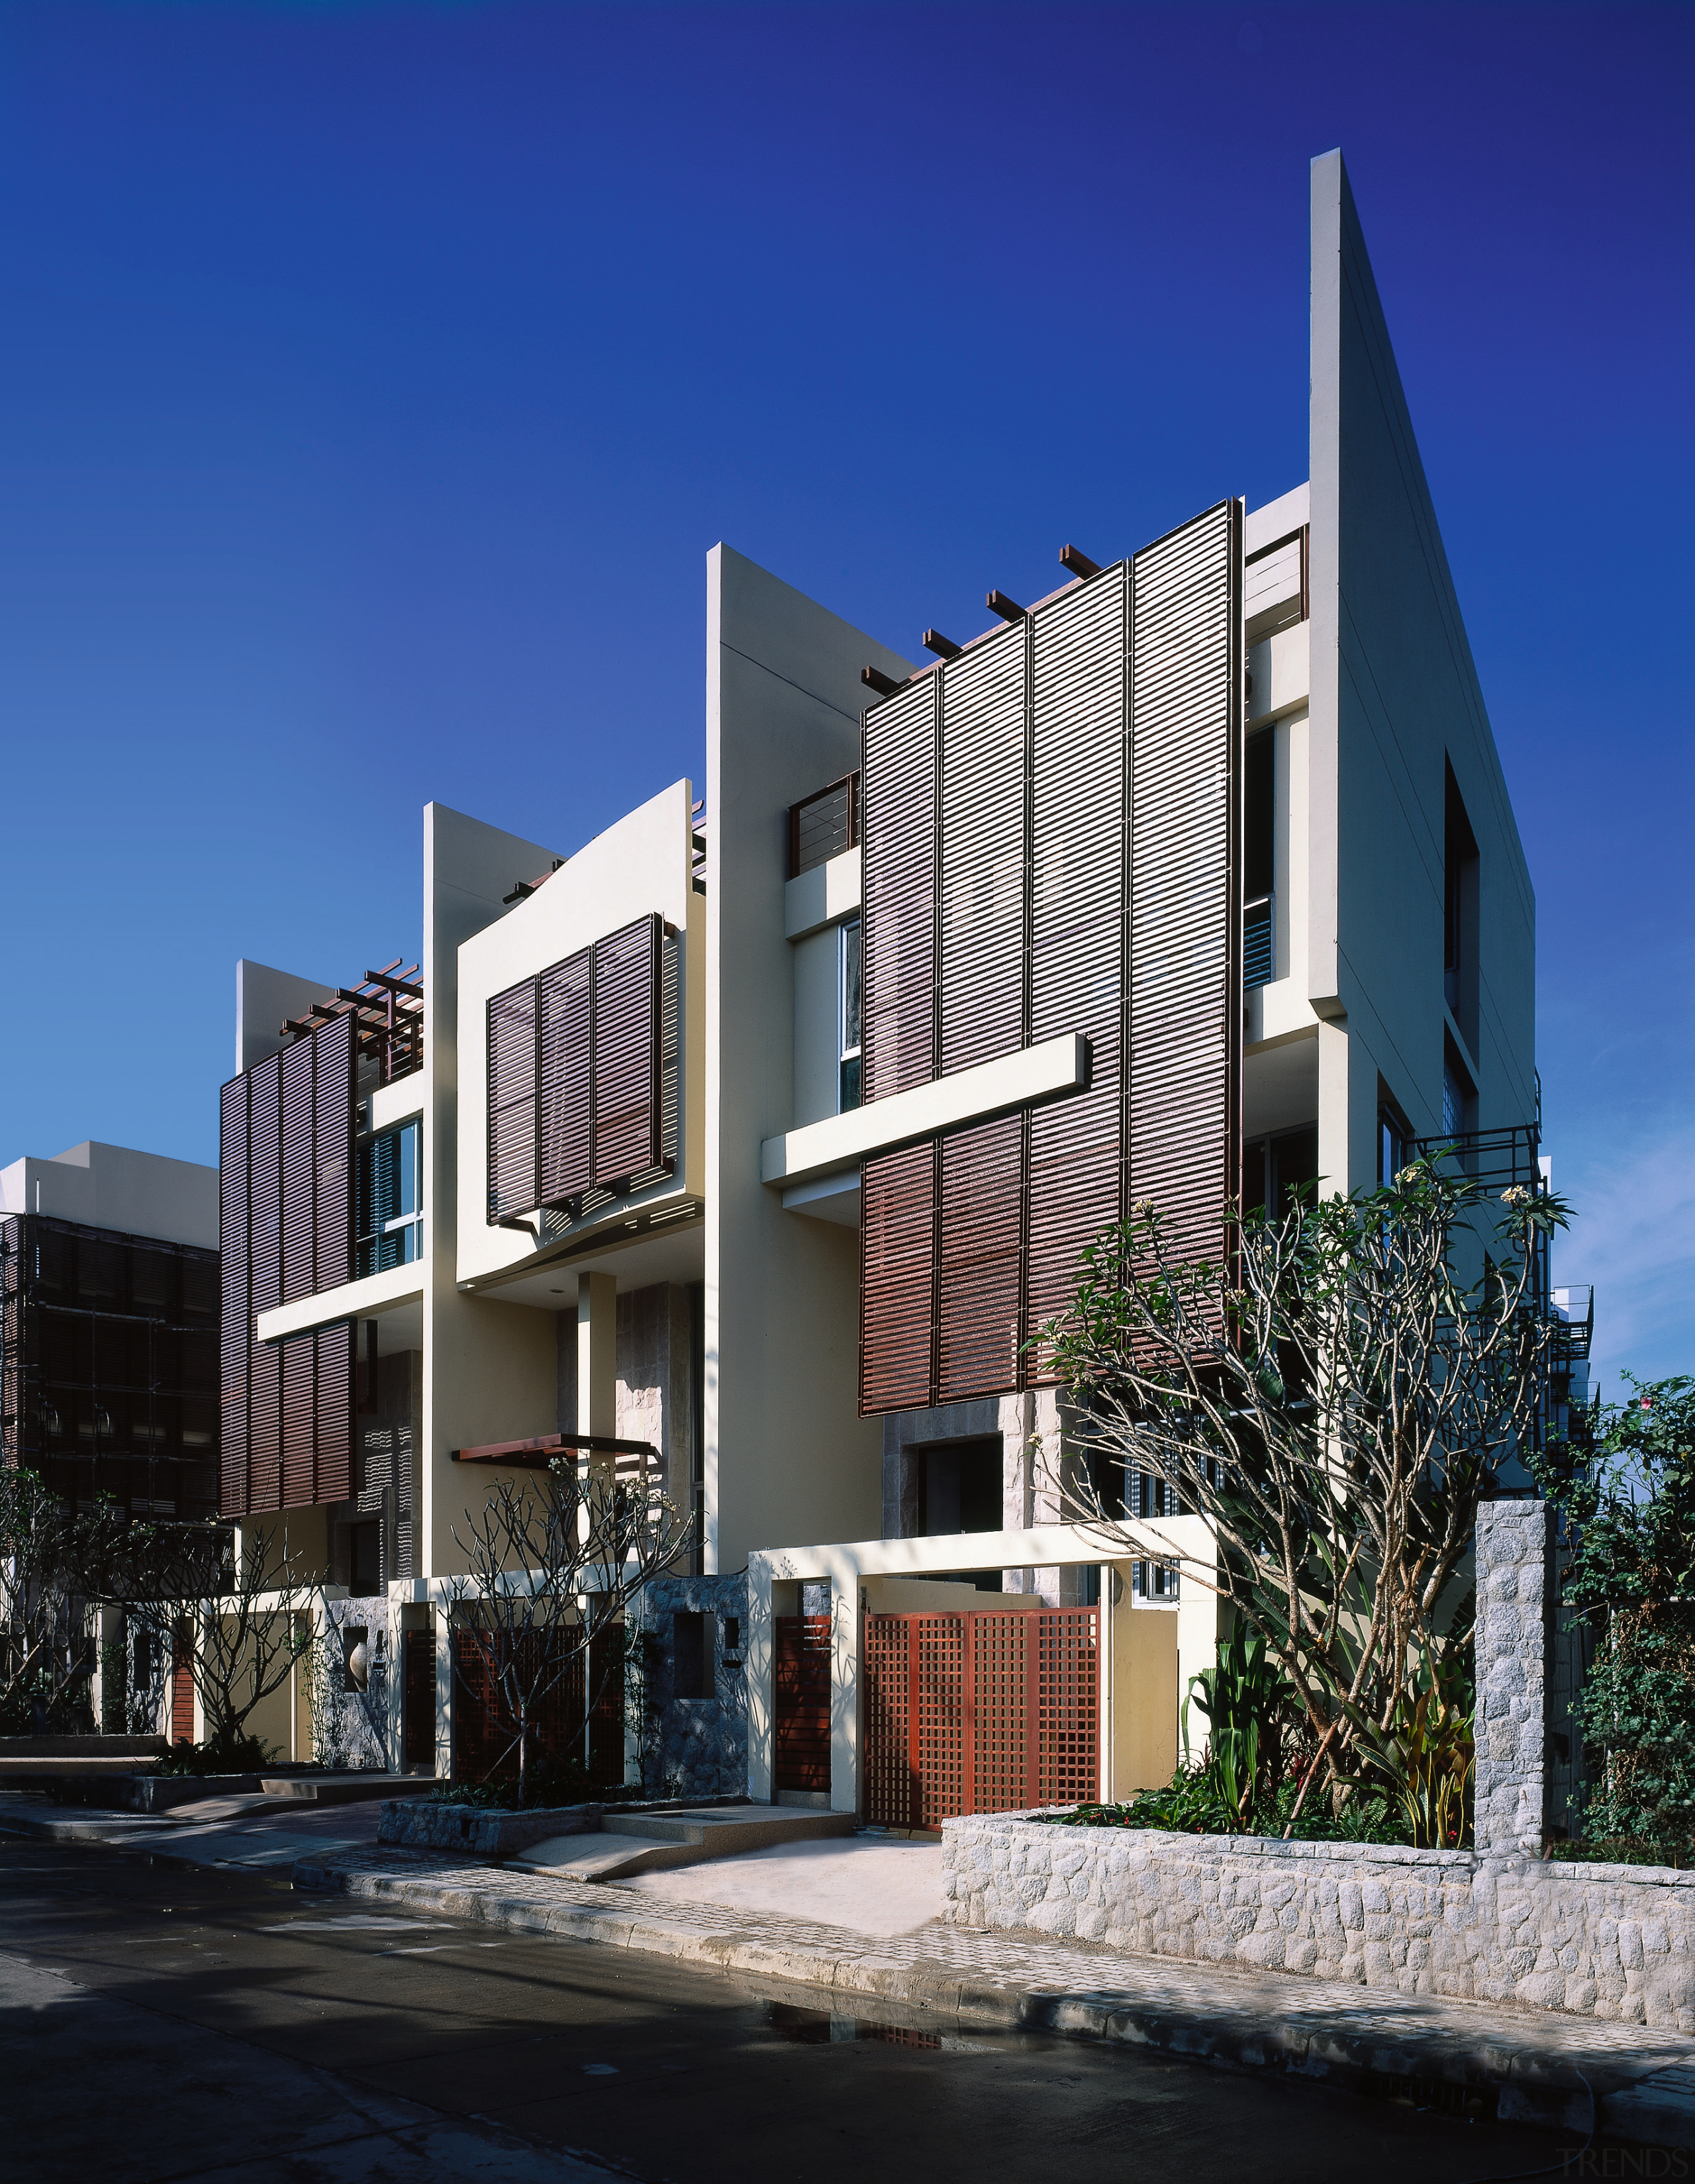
(643,1842)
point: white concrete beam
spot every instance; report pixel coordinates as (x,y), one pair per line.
(1047,1071)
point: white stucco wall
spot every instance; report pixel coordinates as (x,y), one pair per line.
(787,1456)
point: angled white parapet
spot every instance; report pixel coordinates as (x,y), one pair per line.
(1047,1071)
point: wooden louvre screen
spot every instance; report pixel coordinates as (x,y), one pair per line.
(898,819)
(1185,964)
(575,1720)
(564,1129)
(626,1106)
(801,1715)
(996,1711)
(1078,828)
(418,1701)
(982,843)
(1060,802)
(898,1278)
(285,1214)
(512,1179)
(265,1249)
(234,1338)
(582,1073)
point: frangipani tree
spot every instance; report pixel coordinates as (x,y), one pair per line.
(1334,1402)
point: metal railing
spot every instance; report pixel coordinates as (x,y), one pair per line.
(823,825)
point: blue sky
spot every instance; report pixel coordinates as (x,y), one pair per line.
(374,381)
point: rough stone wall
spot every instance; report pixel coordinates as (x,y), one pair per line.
(1599,1940)
(1514,1568)
(693,1747)
(353,1728)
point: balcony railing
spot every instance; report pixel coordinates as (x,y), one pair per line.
(824,825)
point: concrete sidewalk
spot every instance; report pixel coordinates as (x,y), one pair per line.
(256,1833)
(1522,2066)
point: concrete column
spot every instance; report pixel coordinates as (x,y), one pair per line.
(597,1354)
(1333,1107)
(1514,1567)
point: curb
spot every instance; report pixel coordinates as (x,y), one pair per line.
(1451,2072)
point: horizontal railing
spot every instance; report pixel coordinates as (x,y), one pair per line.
(823,825)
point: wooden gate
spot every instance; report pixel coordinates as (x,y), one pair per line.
(181,1698)
(418,1701)
(991,1711)
(591,1733)
(803,1702)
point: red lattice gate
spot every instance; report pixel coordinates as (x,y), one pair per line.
(987,1712)
(484,1730)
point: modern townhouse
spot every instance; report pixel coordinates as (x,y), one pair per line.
(757,1141)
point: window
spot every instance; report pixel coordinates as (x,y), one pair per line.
(1394,1143)
(848,989)
(1274,1168)
(1459,913)
(1259,859)
(391,1200)
(693,1643)
(1457,1094)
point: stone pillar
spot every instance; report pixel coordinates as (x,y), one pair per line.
(1514,1571)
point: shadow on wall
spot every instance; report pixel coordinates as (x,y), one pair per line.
(686,1687)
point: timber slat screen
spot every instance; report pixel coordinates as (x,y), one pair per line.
(1050,844)
(418,1700)
(582,1075)
(286,1211)
(485,1746)
(992,1712)
(802,1712)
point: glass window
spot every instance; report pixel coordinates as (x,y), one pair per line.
(848,987)
(391,1199)
(1392,1145)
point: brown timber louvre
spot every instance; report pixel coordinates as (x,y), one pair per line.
(982,845)
(564,1128)
(235,1340)
(1183,1127)
(897,1287)
(265,1251)
(512,1186)
(1079,692)
(1059,804)
(286,1211)
(583,1063)
(626,1053)
(898,820)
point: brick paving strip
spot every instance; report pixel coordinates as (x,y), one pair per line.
(1526,2065)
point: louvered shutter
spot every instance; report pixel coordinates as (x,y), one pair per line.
(982,850)
(299,1227)
(1078,785)
(332,1085)
(898,820)
(235,1345)
(1185,1000)
(625,1041)
(332,1413)
(897,1279)
(512,1101)
(264,1187)
(565,1150)
(299,1421)
(981,1285)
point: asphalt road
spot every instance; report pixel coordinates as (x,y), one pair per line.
(158,2023)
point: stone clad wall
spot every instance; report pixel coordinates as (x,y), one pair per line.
(1514,1565)
(693,1747)
(1600,1941)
